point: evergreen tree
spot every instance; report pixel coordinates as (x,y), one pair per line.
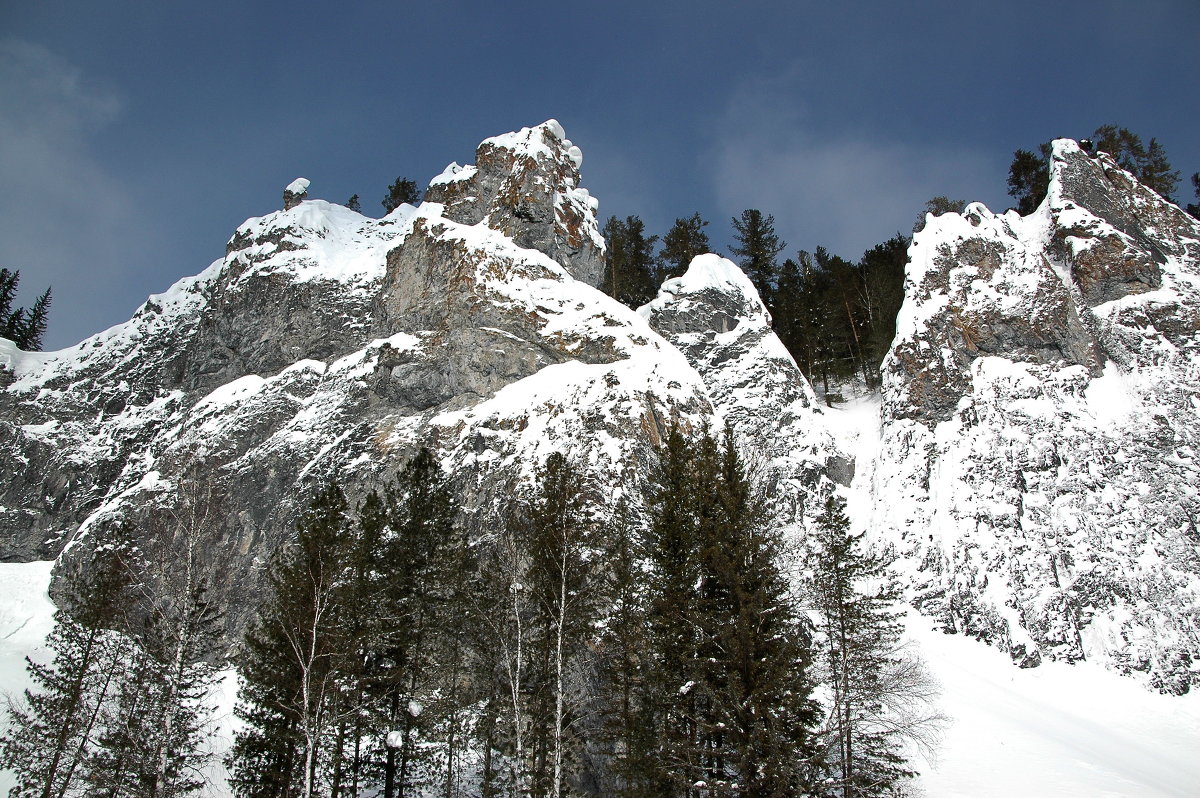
(1148,164)
(294,655)
(400,192)
(726,690)
(354,204)
(685,240)
(421,605)
(758,735)
(882,269)
(1194,207)
(880,697)
(756,249)
(23,327)
(627,730)
(53,733)
(672,551)
(629,262)
(1029,178)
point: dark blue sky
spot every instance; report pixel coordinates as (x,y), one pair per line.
(135,136)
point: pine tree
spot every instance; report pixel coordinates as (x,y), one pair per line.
(685,240)
(354,204)
(627,730)
(53,734)
(401,191)
(880,697)
(629,262)
(294,655)
(756,249)
(1194,207)
(1029,178)
(23,327)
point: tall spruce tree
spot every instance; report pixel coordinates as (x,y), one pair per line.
(726,689)
(880,696)
(685,240)
(294,656)
(628,261)
(756,248)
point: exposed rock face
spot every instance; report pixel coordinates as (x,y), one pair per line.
(526,186)
(329,345)
(1040,440)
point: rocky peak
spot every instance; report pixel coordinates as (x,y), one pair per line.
(714,315)
(526,186)
(295,193)
(325,344)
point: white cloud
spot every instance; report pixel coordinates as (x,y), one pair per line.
(61,211)
(847,191)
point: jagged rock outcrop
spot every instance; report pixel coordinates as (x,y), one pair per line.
(1040,431)
(327,345)
(526,186)
(295,193)
(714,315)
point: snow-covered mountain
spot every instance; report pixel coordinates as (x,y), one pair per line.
(1032,461)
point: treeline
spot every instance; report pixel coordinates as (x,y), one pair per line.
(574,652)
(837,317)
(662,650)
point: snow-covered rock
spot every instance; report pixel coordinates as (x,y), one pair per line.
(1038,464)
(328,346)
(526,185)
(714,315)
